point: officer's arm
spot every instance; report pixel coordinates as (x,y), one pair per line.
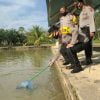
(75,30)
(74,35)
(92,22)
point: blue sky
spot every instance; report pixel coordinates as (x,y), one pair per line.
(16,13)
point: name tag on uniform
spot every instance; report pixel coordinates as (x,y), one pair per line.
(65,30)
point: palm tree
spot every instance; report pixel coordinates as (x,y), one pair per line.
(21,30)
(36,35)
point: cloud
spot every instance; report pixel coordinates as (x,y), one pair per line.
(25,13)
(17,2)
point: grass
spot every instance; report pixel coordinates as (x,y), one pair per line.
(96,42)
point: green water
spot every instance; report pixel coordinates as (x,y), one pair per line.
(16,66)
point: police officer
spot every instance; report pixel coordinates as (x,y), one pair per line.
(68,30)
(69,40)
(87,26)
(64,20)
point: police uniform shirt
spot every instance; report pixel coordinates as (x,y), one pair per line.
(67,21)
(86,18)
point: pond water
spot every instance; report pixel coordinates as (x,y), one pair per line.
(16,66)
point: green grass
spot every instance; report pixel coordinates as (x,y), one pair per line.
(96,42)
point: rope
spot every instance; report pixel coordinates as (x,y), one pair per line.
(36,75)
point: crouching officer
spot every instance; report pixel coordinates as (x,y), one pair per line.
(66,33)
(68,28)
(87,26)
(71,45)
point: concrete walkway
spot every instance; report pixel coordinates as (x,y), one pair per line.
(80,86)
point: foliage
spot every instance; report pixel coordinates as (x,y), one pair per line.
(97,21)
(12,37)
(37,36)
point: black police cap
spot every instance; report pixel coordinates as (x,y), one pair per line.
(53,28)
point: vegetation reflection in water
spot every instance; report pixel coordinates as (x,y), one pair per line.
(16,66)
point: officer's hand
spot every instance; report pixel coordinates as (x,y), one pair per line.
(70,45)
(56,33)
(91,34)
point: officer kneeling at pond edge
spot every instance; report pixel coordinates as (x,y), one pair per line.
(69,38)
(70,44)
(72,41)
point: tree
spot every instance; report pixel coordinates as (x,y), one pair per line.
(21,30)
(97,21)
(36,35)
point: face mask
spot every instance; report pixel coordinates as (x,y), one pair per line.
(80,6)
(64,14)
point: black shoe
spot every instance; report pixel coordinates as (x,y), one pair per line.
(87,62)
(70,67)
(66,63)
(77,69)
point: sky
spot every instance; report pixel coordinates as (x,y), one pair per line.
(23,13)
